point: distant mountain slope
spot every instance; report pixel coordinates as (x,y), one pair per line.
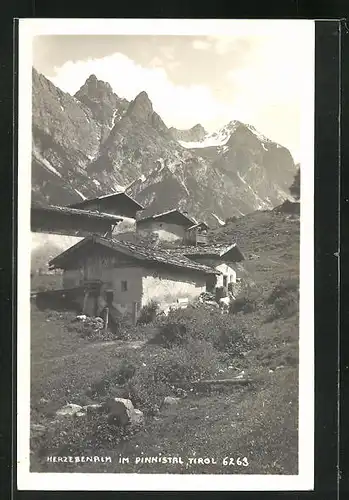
(96,142)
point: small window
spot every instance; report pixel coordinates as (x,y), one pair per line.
(225,281)
(160,225)
(124,286)
(110,297)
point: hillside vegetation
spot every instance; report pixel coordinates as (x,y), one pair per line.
(258,338)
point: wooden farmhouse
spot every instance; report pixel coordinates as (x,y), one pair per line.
(173,226)
(126,276)
(71,221)
(115,203)
(56,228)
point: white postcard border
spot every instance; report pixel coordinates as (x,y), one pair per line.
(28,28)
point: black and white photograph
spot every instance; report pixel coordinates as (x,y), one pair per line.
(165,254)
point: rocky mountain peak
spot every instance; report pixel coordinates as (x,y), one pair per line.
(141,107)
(199,129)
(105,105)
(97,142)
(91,78)
(196,133)
(94,88)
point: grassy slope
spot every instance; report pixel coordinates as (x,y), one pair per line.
(260,423)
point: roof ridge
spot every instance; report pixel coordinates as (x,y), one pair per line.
(155,255)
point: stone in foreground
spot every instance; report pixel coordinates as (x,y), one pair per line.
(122,412)
(69,410)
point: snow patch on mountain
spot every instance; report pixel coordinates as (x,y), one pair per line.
(220,221)
(261,204)
(181,181)
(215,139)
(45,162)
(80,194)
(223,149)
(115,118)
(162,164)
(260,136)
(241,178)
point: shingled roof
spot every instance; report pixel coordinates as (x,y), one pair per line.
(174,216)
(121,200)
(75,211)
(202,225)
(219,250)
(143,253)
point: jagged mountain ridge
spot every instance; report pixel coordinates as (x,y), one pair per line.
(96,142)
(196,133)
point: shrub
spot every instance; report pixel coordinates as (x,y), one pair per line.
(220,293)
(220,330)
(285,299)
(284,287)
(285,306)
(151,383)
(229,220)
(148,313)
(91,330)
(171,334)
(243,304)
(118,376)
(126,371)
(273,353)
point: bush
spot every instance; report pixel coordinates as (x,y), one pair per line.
(151,383)
(148,313)
(274,352)
(285,306)
(120,375)
(285,299)
(230,220)
(243,304)
(283,288)
(171,334)
(126,370)
(220,293)
(220,330)
(91,330)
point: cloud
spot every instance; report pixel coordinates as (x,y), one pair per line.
(201,45)
(168,52)
(178,105)
(256,79)
(269,88)
(222,44)
(156,62)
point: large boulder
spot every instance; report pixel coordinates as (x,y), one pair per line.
(122,412)
(69,410)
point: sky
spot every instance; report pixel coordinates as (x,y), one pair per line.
(252,77)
